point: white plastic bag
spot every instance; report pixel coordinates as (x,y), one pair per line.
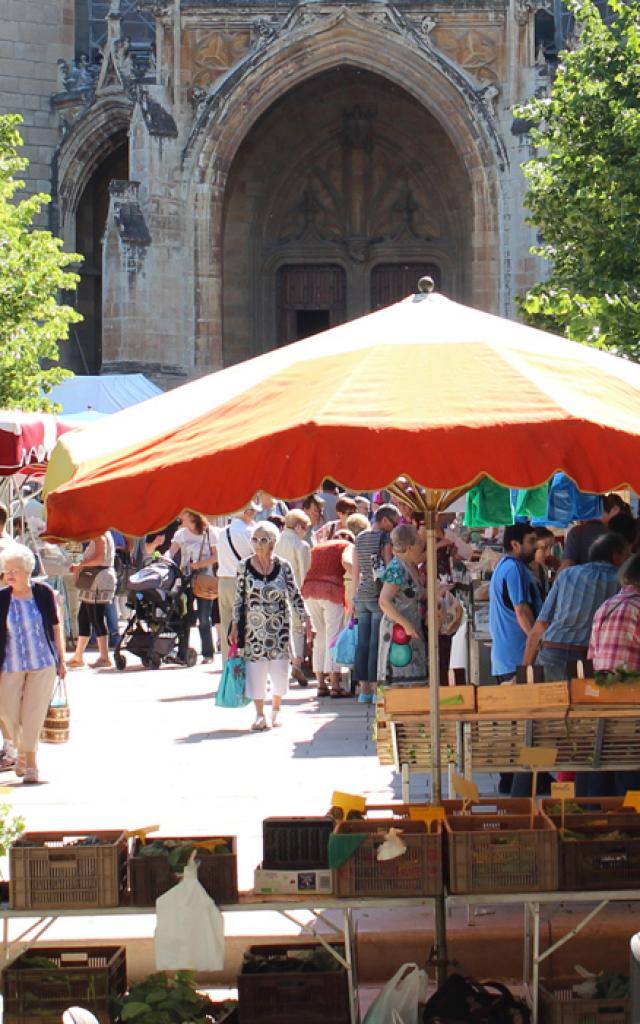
(401,996)
(189,927)
(392,846)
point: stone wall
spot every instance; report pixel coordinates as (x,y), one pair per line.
(34,36)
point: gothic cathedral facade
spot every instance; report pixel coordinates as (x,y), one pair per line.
(239,174)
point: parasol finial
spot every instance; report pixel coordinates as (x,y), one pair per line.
(426,285)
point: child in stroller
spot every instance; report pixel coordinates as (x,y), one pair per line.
(158,628)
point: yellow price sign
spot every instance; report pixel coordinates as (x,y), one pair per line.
(426,814)
(632,799)
(465,788)
(142,833)
(348,802)
(6,790)
(538,757)
(563,790)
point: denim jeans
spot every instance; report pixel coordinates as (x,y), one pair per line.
(369,618)
(556,663)
(111,612)
(204,606)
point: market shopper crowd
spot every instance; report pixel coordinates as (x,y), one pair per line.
(285,582)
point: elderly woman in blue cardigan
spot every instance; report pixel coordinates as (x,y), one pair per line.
(31,656)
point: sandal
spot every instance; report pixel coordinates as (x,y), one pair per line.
(72,663)
(275,722)
(260,725)
(340,693)
(299,676)
(102,663)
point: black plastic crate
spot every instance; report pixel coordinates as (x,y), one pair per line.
(290,844)
(293,996)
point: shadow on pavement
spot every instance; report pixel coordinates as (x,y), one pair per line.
(187,696)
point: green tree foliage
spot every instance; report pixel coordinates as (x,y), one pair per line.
(32,275)
(584,185)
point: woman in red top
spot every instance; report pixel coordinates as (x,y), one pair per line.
(324,595)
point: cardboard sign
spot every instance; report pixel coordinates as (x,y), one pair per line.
(347,802)
(426,814)
(632,799)
(563,790)
(538,757)
(465,788)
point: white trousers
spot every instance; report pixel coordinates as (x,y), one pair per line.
(327,619)
(257,674)
(24,701)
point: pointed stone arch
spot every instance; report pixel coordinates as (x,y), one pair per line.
(91,139)
(387,48)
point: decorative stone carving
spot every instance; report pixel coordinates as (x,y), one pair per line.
(211,53)
(263,32)
(525,9)
(427,25)
(358,196)
(489,95)
(130,223)
(472,50)
(158,121)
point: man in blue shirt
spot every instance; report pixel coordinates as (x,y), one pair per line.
(514,601)
(561,633)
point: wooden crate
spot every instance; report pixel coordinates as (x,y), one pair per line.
(496,745)
(559,1005)
(383,738)
(586,691)
(413,741)
(91,977)
(525,697)
(501,853)
(620,743)
(54,870)
(417,699)
(417,872)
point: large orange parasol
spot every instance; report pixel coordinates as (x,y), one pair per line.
(426,388)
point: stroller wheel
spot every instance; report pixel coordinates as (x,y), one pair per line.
(120,661)
(191,658)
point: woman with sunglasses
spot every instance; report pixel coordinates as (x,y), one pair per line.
(266,597)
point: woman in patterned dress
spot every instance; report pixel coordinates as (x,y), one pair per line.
(402,652)
(266,595)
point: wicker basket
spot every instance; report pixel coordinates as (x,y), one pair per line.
(53,872)
(417,872)
(150,877)
(55,728)
(87,977)
(501,853)
(559,1005)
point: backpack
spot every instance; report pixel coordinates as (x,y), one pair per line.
(465,1001)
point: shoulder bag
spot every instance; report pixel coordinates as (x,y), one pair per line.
(204,586)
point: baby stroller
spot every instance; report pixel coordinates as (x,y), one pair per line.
(158,595)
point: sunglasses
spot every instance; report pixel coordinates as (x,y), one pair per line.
(262,540)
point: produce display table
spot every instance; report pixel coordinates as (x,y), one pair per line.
(289,906)
(39,921)
(586,738)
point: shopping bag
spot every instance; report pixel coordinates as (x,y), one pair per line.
(189,932)
(344,650)
(231,689)
(401,994)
